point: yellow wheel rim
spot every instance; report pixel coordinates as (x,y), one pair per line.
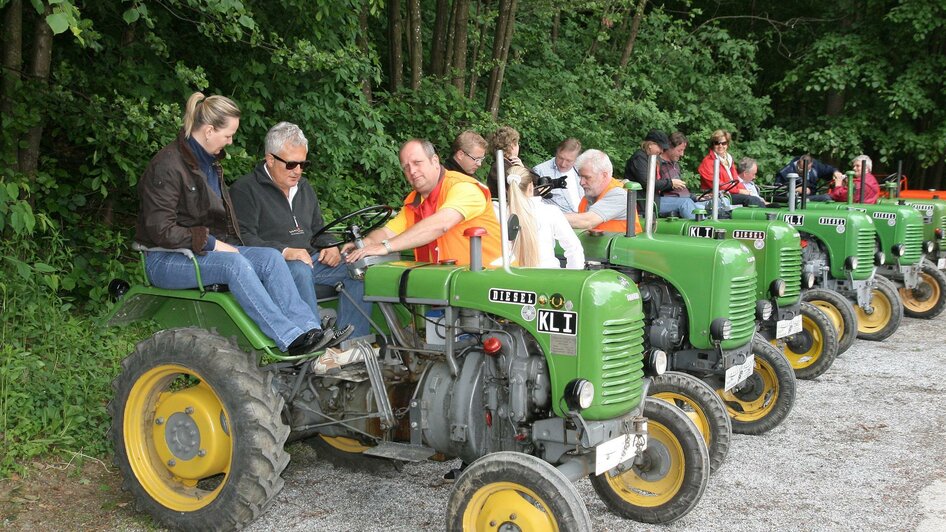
(176,434)
(348,445)
(747,410)
(833,314)
(507,503)
(660,477)
(800,360)
(910,301)
(691,410)
(877,320)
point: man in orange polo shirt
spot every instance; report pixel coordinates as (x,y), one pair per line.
(604,206)
(441,207)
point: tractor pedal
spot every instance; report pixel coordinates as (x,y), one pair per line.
(404,452)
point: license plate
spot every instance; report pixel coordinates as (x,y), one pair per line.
(737,374)
(788,327)
(941,264)
(613,452)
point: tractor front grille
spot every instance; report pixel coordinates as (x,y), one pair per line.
(865,253)
(790,270)
(622,361)
(742,298)
(913,241)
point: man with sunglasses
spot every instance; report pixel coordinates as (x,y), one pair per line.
(278,208)
(469,151)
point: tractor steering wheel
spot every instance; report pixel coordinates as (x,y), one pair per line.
(352,226)
(708,194)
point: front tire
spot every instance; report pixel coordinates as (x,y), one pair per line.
(515,491)
(671,476)
(197,431)
(813,350)
(764,400)
(699,402)
(839,310)
(929,298)
(887,312)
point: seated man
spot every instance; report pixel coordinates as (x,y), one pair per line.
(871,188)
(441,207)
(748,169)
(675,199)
(563,165)
(604,206)
(817,170)
(278,208)
(469,152)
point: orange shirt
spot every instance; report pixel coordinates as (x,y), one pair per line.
(614,225)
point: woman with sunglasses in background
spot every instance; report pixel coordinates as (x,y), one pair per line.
(719,143)
(184,203)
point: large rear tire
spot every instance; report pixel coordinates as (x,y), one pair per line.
(699,402)
(840,310)
(812,350)
(669,479)
(929,298)
(886,312)
(515,491)
(197,431)
(764,400)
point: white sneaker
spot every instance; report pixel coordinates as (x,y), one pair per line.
(334,359)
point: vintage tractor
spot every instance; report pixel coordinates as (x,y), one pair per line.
(839,249)
(921,285)
(933,211)
(802,331)
(700,308)
(537,377)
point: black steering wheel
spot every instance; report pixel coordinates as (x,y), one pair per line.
(352,226)
(707,194)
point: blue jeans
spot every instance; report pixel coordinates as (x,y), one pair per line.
(677,206)
(258,279)
(307,277)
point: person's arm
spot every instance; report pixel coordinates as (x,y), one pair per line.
(419,234)
(583,220)
(160,193)
(249,211)
(566,237)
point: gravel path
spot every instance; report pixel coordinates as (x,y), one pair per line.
(864,448)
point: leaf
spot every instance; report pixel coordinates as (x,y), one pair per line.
(59,22)
(43,267)
(131,15)
(247,22)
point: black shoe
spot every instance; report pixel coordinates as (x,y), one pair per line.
(341,335)
(328,322)
(313,340)
(452,475)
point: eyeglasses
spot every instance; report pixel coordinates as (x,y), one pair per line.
(721,143)
(476,160)
(291,165)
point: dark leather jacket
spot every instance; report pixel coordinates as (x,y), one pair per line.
(177,207)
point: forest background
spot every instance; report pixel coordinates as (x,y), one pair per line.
(91,90)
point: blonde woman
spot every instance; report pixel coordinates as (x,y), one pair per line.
(541,226)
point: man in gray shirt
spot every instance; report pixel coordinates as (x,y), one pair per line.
(604,206)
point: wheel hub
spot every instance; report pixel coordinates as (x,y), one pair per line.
(182,436)
(655,462)
(923,292)
(750,389)
(800,342)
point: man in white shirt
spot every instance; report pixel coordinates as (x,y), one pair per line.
(748,168)
(563,164)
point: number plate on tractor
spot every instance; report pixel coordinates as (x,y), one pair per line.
(737,374)
(788,327)
(612,452)
(941,264)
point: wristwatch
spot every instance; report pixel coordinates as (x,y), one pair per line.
(387,245)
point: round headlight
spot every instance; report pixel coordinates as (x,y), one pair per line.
(579,394)
(657,362)
(721,329)
(928,246)
(777,288)
(898,250)
(851,263)
(763,309)
(879,258)
(808,280)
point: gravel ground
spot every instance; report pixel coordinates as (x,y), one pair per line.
(864,448)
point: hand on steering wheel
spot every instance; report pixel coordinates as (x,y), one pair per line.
(708,194)
(352,226)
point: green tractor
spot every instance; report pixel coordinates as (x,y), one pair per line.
(537,377)
(700,308)
(800,329)
(900,237)
(839,251)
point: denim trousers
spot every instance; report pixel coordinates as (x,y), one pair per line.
(258,279)
(677,206)
(306,277)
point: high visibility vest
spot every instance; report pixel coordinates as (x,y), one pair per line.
(616,225)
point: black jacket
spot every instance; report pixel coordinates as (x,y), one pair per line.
(636,170)
(267,219)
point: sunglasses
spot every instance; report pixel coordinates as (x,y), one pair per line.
(476,160)
(291,165)
(721,143)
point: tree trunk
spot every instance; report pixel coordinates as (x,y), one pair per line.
(366,49)
(632,38)
(556,23)
(448,54)
(414,43)
(438,58)
(12,62)
(39,72)
(395,54)
(480,43)
(460,34)
(504,31)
